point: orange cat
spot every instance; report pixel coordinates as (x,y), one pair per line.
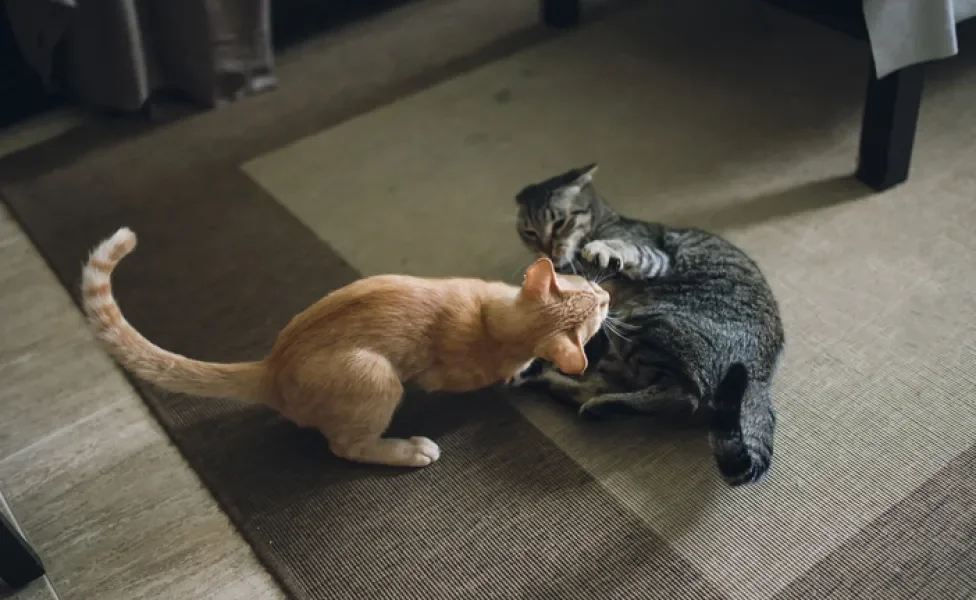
(338,366)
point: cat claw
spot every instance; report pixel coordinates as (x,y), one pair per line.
(604,255)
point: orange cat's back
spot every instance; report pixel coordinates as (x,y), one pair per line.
(406,319)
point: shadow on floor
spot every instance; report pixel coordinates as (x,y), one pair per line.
(294,21)
(809,197)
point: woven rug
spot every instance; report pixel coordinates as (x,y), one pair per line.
(397,144)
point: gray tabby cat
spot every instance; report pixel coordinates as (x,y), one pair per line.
(695,326)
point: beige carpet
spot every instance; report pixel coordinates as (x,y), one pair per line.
(744,121)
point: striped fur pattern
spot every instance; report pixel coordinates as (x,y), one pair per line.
(140,356)
(340,365)
(694,328)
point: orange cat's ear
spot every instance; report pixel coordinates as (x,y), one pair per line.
(540,279)
(566,352)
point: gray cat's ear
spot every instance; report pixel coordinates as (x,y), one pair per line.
(586,174)
(524,194)
(581,178)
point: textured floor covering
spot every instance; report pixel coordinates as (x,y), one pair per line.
(100,491)
(876,393)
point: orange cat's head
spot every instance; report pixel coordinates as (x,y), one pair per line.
(565,310)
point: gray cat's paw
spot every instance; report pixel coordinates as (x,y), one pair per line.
(592,411)
(529,374)
(606,405)
(610,254)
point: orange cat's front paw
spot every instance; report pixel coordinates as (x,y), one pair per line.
(396,452)
(425,451)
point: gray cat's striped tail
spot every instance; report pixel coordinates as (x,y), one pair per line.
(742,427)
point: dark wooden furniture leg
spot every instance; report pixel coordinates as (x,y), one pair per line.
(888,127)
(19,564)
(561,14)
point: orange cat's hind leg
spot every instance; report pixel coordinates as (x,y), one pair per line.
(363,391)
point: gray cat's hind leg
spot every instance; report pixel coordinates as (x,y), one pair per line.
(666,399)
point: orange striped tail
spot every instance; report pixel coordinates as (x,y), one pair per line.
(96,280)
(170,371)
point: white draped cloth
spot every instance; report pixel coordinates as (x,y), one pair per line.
(905,32)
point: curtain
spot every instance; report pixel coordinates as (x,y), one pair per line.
(117,53)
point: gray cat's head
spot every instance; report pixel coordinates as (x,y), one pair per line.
(555,215)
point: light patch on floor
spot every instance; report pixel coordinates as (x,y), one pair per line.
(39,129)
(102,495)
(878,388)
